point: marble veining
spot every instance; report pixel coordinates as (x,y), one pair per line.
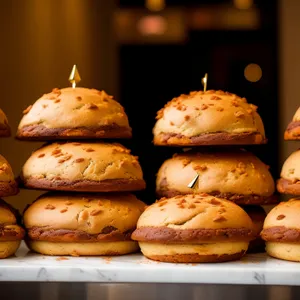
(260,278)
(256,269)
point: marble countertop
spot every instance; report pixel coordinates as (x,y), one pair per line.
(252,269)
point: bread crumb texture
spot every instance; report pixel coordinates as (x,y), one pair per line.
(208,112)
(82,161)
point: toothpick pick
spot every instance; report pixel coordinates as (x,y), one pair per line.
(204,82)
(193,182)
(74,77)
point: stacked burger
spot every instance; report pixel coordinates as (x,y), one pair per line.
(11,233)
(199,218)
(281,229)
(89,209)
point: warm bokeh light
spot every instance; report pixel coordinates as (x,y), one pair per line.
(253,72)
(243,4)
(152,25)
(155,5)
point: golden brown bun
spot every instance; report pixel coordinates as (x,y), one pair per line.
(90,213)
(235,175)
(284,214)
(293,130)
(9,248)
(195,212)
(186,253)
(290,175)
(4,127)
(290,169)
(8,215)
(284,251)
(194,228)
(83,249)
(77,113)
(11,233)
(281,231)
(211,117)
(8,185)
(87,167)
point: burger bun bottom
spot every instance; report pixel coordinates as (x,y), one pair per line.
(285,251)
(83,249)
(9,248)
(194,253)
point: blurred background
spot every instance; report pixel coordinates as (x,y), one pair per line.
(145,52)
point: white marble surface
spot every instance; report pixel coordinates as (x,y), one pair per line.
(252,269)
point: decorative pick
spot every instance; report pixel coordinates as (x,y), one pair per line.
(74,77)
(193,182)
(204,82)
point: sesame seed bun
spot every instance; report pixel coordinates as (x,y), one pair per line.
(11,234)
(83,167)
(281,231)
(194,228)
(208,118)
(74,113)
(235,175)
(290,175)
(82,224)
(292,132)
(8,185)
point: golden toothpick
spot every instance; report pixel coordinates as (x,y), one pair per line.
(193,182)
(74,77)
(204,82)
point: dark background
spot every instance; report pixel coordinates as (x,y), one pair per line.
(151,75)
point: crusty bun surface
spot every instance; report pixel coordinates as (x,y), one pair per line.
(285,214)
(208,118)
(87,167)
(194,228)
(4,127)
(83,224)
(9,248)
(193,218)
(235,175)
(92,214)
(289,182)
(11,233)
(281,231)
(74,113)
(8,185)
(293,130)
